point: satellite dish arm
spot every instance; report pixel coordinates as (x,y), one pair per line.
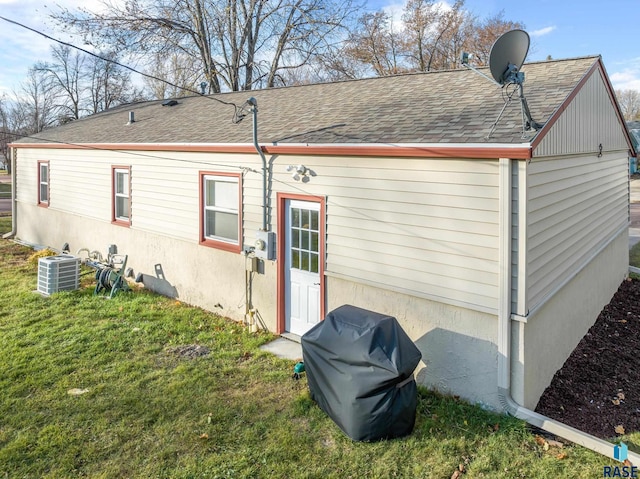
(531,123)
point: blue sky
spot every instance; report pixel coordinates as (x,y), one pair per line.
(560,28)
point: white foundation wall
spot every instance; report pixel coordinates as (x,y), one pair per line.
(458,345)
(542,344)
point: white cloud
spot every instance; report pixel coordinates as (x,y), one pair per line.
(395,10)
(626,80)
(542,31)
(22,48)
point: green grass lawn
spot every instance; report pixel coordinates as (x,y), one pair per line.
(5,190)
(634,256)
(235,413)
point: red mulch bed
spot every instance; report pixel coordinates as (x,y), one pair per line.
(598,388)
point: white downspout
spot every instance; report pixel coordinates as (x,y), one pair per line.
(504,337)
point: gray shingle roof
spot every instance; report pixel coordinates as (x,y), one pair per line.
(455,106)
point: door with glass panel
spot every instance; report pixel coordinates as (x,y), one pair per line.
(302,265)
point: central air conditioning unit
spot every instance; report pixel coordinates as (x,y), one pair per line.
(58,273)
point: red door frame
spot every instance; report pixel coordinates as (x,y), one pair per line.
(281,199)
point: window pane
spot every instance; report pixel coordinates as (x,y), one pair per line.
(295,238)
(225,195)
(44,193)
(314,221)
(304,260)
(304,239)
(122,183)
(221,225)
(210,192)
(295,259)
(295,217)
(122,207)
(44,173)
(305,219)
(314,263)
(314,242)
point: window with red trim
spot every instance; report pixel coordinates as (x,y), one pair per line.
(220,210)
(121,211)
(43,183)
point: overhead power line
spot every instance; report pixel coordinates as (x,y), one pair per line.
(115,62)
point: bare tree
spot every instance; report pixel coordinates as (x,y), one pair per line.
(179,72)
(237,44)
(34,107)
(6,135)
(107,84)
(485,33)
(375,44)
(62,78)
(435,33)
(629,101)
(432,36)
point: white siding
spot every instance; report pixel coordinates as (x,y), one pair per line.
(588,121)
(576,205)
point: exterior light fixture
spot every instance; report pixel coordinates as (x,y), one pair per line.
(299,172)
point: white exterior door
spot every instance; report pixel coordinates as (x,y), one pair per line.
(302,265)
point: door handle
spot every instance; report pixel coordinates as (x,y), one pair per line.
(316,284)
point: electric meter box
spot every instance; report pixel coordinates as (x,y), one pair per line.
(265,245)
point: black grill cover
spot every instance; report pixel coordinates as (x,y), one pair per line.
(359,368)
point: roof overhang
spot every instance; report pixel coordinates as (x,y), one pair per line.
(521,151)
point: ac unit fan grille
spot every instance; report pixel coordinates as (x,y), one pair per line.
(58,273)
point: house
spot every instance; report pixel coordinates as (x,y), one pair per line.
(494,246)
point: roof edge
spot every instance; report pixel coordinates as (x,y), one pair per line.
(522,151)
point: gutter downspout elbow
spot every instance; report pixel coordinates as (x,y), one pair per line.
(509,405)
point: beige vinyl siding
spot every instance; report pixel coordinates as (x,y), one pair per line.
(588,121)
(164,185)
(420,226)
(575,206)
(425,227)
(26,172)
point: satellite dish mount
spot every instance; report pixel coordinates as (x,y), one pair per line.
(505,61)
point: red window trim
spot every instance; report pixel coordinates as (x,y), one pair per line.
(115,220)
(44,204)
(233,248)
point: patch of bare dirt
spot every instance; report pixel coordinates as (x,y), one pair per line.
(189,351)
(597,390)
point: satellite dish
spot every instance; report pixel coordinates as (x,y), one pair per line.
(507,56)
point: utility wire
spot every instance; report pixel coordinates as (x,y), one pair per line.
(236,108)
(239,113)
(128,152)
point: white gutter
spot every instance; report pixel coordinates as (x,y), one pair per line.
(504,339)
(14,215)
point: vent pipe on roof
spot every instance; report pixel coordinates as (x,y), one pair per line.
(131,118)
